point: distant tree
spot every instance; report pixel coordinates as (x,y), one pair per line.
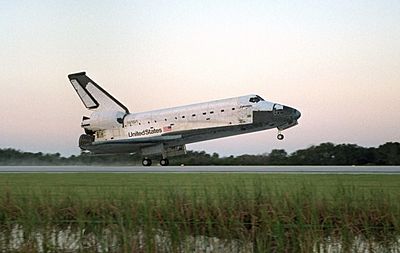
(323,154)
(388,153)
(277,157)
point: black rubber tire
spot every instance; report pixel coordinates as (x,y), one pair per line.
(164,162)
(146,162)
(280,137)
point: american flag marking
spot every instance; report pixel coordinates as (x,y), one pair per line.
(167,129)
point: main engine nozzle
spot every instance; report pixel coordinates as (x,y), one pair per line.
(85,140)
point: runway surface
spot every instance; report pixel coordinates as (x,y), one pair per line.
(205,169)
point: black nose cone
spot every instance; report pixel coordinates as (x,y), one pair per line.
(291,113)
(296,114)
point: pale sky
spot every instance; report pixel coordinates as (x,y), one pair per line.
(338,62)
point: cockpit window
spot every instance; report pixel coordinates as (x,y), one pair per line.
(256,99)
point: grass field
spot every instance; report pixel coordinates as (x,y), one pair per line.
(157,212)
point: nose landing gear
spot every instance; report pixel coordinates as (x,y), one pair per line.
(280,136)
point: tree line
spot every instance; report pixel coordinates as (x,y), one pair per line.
(322,154)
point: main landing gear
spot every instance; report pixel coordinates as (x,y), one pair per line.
(280,136)
(147,162)
(164,162)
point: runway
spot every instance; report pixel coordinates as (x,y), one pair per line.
(205,169)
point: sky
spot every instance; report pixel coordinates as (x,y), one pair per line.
(338,62)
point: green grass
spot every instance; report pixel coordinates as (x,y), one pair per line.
(270,212)
(89,184)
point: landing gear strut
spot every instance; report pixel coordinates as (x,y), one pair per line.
(146,162)
(164,162)
(280,136)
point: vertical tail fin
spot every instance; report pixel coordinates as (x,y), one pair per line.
(93,96)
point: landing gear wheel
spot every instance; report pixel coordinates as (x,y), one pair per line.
(280,137)
(164,162)
(146,162)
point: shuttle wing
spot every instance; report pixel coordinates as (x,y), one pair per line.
(143,140)
(129,145)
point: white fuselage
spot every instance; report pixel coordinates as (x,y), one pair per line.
(210,115)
